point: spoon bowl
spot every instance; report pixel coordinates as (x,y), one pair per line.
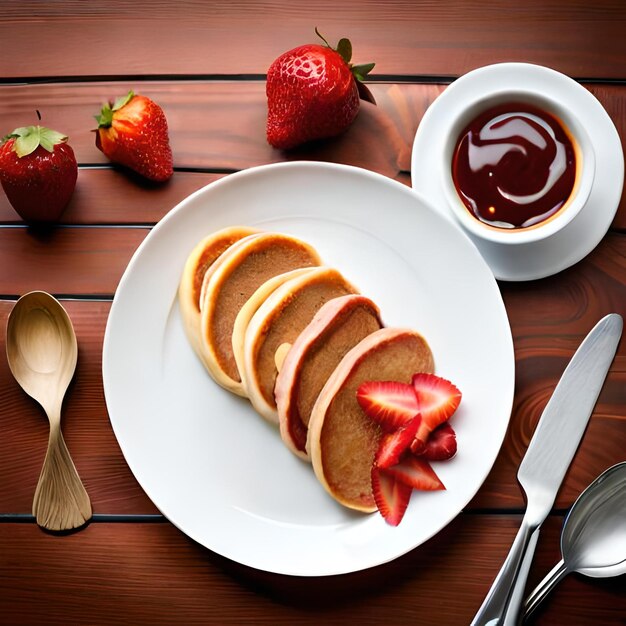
(42,353)
(593,540)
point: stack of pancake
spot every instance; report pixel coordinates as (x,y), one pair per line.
(272,323)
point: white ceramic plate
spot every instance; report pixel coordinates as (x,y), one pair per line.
(220,472)
(585,231)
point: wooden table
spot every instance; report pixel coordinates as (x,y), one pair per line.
(205,63)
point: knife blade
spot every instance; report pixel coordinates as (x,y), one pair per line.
(549,454)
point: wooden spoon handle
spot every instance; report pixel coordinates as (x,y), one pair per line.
(60,501)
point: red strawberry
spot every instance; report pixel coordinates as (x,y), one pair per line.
(416,473)
(437,400)
(388,403)
(133,132)
(441,444)
(38,172)
(312,93)
(393,445)
(391,496)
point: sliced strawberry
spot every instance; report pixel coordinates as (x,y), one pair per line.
(416,473)
(393,445)
(437,400)
(391,496)
(388,403)
(441,444)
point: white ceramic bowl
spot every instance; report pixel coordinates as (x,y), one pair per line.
(585,173)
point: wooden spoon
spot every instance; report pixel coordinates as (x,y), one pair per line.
(42,352)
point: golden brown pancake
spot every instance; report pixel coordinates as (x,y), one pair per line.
(230,282)
(336,328)
(342,439)
(251,307)
(279,320)
(202,257)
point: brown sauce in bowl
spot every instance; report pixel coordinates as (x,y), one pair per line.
(514,166)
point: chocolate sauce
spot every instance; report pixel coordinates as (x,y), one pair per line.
(514,166)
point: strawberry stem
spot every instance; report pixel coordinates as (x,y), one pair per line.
(317,32)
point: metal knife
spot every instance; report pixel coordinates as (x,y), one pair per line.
(549,454)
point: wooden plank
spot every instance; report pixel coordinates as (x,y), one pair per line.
(228,133)
(221,125)
(79,261)
(406,38)
(151,573)
(110,196)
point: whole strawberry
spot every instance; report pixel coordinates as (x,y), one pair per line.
(133,132)
(313,93)
(38,172)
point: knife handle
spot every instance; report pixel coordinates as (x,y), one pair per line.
(498,609)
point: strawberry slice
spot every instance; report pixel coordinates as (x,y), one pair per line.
(416,473)
(441,444)
(437,400)
(391,496)
(393,445)
(388,403)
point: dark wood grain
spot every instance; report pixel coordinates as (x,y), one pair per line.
(110,196)
(151,573)
(79,261)
(228,134)
(403,37)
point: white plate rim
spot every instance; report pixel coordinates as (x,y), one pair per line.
(126,447)
(577,239)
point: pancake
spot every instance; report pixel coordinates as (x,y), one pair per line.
(250,308)
(342,440)
(279,320)
(202,257)
(227,286)
(336,328)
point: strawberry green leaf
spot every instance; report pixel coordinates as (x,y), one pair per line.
(49,138)
(26,144)
(123,101)
(22,131)
(361,71)
(29,138)
(344,48)
(364,92)
(105,119)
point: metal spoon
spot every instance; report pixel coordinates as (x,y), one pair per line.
(593,541)
(42,353)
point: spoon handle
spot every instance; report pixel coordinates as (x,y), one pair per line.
(551,580)
(60,501)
